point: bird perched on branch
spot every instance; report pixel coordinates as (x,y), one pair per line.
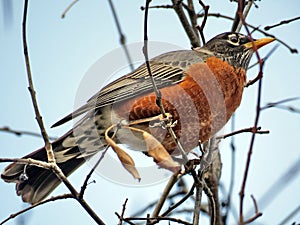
(200,89)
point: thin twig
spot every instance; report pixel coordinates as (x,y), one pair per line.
(123,211)
(173,179)
(237,19)
(23,132)
(121,34)
(158,219)
(156,90)
(197,205)
(245,14)
(145,51)
(177,5)
(212,202)
(27,161)
(62,177)
(232,171)
(85,183)
(158,7)
(48,146)
(288,108)
(192,15)
(218,15)
(50,154)
(276,104)
(124,219)
(257,213)
(152,204)
(201,28)
(174,206)
(54,198)
(63,15)
(282,22)
(259,91)
(256,130)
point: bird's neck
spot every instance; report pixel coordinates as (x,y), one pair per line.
(235,60)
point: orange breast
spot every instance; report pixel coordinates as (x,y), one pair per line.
(201,104)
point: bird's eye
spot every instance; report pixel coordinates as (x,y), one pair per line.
(234,39)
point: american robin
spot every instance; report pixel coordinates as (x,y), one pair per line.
(200,89)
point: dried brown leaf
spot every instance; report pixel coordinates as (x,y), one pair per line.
(160,155)
(125,158)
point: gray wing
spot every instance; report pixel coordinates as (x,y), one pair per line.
(167,69)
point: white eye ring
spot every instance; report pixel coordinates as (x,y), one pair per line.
(234,40)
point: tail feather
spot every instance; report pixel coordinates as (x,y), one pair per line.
(35,183)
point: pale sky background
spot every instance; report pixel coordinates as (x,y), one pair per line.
(62,50)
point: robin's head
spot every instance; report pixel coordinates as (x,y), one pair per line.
(234,48)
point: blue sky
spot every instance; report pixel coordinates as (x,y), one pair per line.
(62,51)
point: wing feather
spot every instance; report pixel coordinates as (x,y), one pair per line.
(167,69)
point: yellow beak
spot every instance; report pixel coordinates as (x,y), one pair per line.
(259,43)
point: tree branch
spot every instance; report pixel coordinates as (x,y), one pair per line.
(177,5)
(48,146)
(121,34)
(22,132)
(257,116)
(59,197)
(63,15)
(282,22)
(219,15)
(252,130)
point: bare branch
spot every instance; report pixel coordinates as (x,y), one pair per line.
(252,130)
(282,22)
(121,34)
(192,15)
(63,15)
(174,206)
(197,205)
(59,197)
(158,7)
(50,154)
(156,91)
(22,132)
(212,201)
(123,211)
(28,161)
(246,10)
(173,179)
(201,28)
(257,213)
(218,15)
(258,103)
(236,19)
(274,104)
(48,146)
(156,218)
(85,183)
(279,105)
(177,5)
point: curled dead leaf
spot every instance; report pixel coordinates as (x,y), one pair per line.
(160,155)
(125,158)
